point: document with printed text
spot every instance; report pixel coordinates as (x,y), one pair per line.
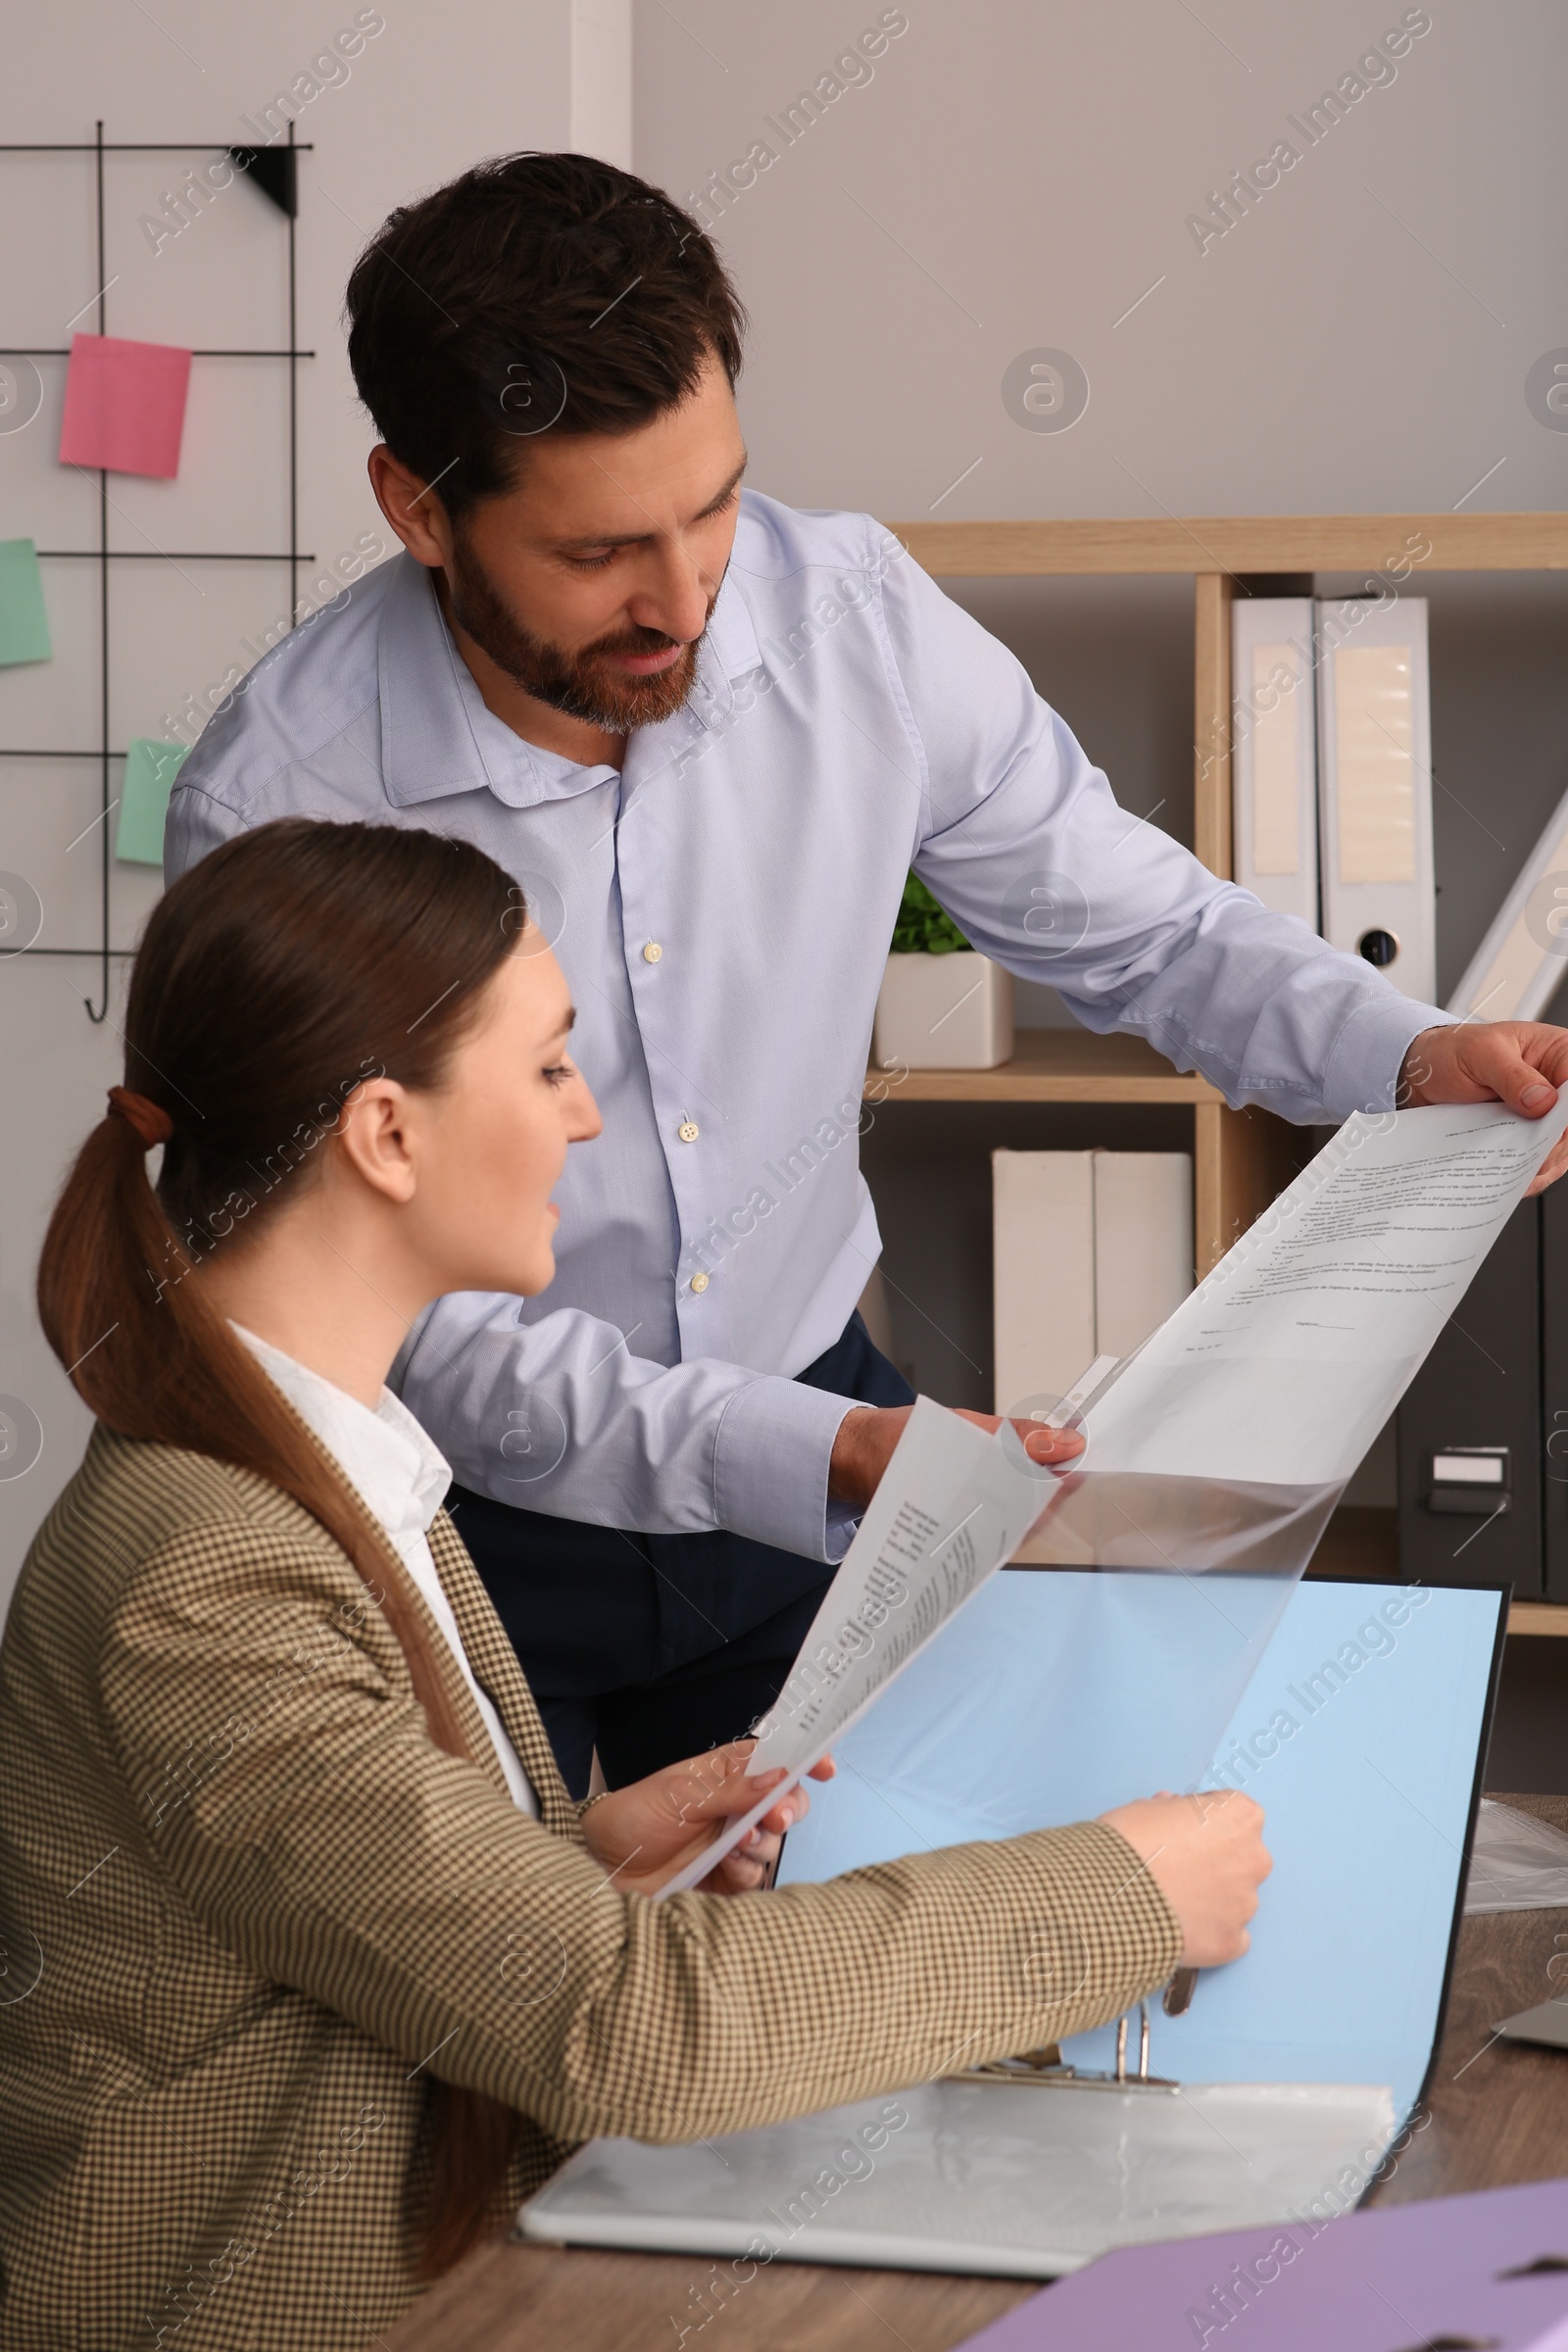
(1278,1370)
(951,1508)
(1283,1365)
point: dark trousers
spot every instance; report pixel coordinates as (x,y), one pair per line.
(655,1647)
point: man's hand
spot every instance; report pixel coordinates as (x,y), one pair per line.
(646,1831)
(864,1444)
(1205,1853)
(1522,1063)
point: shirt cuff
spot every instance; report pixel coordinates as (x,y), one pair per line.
(770,1467)
(843,1526)
(1368,1055)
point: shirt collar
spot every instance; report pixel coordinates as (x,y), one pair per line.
(386,1455)
(438,738)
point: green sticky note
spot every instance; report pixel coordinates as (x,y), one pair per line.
(150,772)
(23,622)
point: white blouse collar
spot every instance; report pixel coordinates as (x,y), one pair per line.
(387,1456)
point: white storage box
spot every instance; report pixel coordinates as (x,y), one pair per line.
(944,1013)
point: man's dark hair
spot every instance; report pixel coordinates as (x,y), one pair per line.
(537,294)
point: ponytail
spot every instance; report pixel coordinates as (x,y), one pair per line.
(149,1354)
(292,955)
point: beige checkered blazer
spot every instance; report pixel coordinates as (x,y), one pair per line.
(247,1910)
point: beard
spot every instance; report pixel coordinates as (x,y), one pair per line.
(584,685)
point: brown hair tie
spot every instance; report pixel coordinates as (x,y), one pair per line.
(151,1124)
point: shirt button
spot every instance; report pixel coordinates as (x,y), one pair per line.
(653,952)
(688,1131)
(699,1283)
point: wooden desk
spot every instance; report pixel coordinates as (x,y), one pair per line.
(1499,2109)
(1498,2113)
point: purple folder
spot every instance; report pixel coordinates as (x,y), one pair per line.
(1487,2270)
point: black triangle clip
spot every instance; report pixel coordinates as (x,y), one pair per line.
(275,172)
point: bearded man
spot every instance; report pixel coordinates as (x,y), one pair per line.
(710,735)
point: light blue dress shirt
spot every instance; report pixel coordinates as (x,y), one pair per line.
(721,908)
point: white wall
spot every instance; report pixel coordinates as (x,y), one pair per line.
(1006,178)
(601,112)
(1015,176)
(425,96)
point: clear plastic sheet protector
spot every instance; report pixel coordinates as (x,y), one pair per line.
(1360,1731)
(1058,1694)
(1517,1863)
(1191,1577)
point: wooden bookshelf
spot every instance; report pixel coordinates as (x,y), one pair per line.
(1051,1065)
(1227,544)
(1241,1159)
(1538,1617)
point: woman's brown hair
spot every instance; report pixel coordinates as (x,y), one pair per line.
(273,979)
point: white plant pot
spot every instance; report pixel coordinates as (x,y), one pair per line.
(944,1013)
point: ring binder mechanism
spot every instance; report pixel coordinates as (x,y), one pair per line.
(1047,2069)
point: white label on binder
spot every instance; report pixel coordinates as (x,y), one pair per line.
(1468,1469)
(1276,783)
(1375,787)
(1376,773)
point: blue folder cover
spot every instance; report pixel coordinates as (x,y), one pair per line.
(1056,1695)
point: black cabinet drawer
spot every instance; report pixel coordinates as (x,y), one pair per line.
(1470,1426)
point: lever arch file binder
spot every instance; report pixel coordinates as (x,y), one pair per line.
(1042,1272)
(1274,755)
(1523,960)
(1360,1732)
(1091,1251)
(1375,787)
(1142,1244)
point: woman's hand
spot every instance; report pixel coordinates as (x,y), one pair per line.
(1205,1853)
(643,1834)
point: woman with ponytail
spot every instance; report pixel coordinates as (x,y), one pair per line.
(310,1969)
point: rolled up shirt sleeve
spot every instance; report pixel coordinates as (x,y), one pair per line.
(560,1416)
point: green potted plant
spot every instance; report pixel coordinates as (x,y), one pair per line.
(941,1007)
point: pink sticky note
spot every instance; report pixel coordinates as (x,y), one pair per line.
(124,406)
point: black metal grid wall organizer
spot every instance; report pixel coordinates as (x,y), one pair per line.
(275,172)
